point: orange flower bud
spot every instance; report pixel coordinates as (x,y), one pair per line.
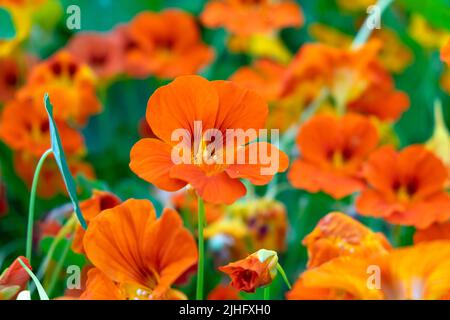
(257,270)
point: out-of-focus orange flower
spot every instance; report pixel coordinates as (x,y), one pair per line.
(90,208)
(445,53)
(24,128)
(138,255)
(188,201)
(245,17)
(47,228)
(419,272)
(353,78)
(333,150)
(166,44)
(14,279)
(101,52)
(25,164)
(257,270)
(3,199)
(265,77)
(380,98)
(22,3)
(406,187)
(222,292)
(437,231)
(9,78)
(71,85)
(217,105)
(445,80)
(394,55)
(340,235)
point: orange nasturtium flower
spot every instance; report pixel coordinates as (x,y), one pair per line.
(136,255)
(14,279)
(394,55)
(221,292)
(340,235)
(9,78)
(246,17)
(24,128)
(406,187)
(101,52)
(257,270)
(71,85)
(99,201)
(333,150)
(196,106)
(166,44)
(445,53)
(354,79)
(437,231)
(265,77)
(419,272)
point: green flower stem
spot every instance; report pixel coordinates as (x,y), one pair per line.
(32,203)
(267,293)
(56,272)
(364,32)
(201,248)
(42,294)
(63,232)
(283,275)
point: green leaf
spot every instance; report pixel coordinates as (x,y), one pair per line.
(41,291)
(437,12)
(60,158)
(7,29)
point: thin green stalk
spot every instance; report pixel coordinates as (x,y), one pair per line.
(42,294)
(201,249)
(364,32)
(267,293)
(32,203)
(283,275)
(56,272)
(63,232)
